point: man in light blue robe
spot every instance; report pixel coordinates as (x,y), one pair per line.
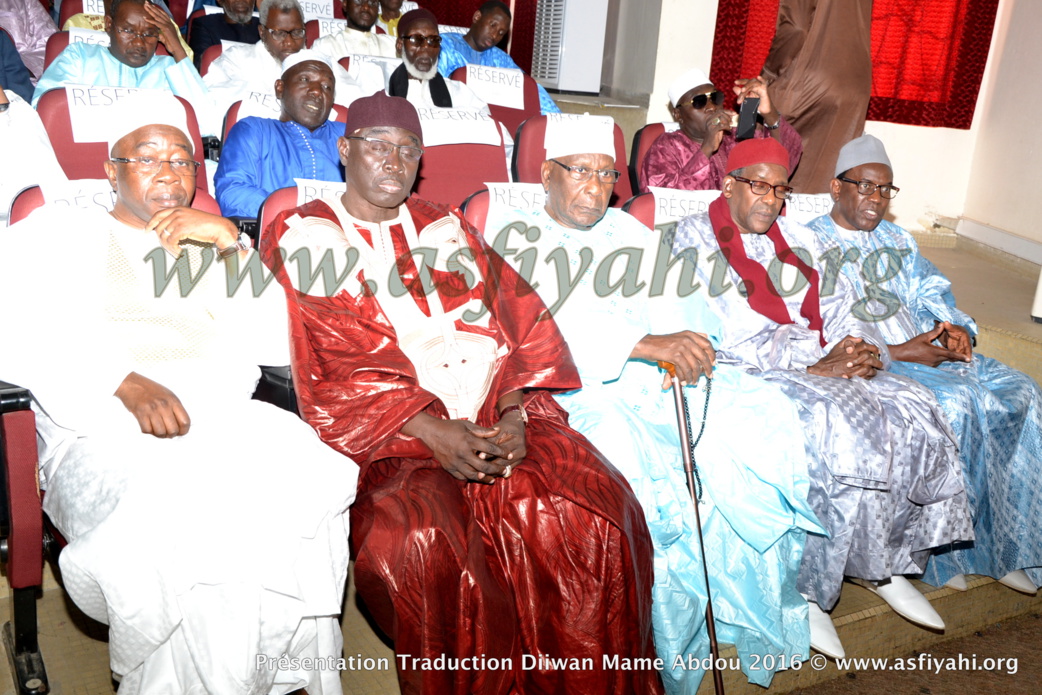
(753,489)
(263,155)
(135,29)
(478,47)
(995,411)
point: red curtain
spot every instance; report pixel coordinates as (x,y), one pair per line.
(928,56)
(522,28)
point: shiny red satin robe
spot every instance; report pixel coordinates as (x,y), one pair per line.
(553,562)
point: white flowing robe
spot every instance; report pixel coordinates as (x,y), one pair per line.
(754,513)
(885,474)
(203,553)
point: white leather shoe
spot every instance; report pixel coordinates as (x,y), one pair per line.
(906,601)
(823,635)
(1018,580)
(958,582)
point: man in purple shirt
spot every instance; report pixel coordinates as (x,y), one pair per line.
(692,158)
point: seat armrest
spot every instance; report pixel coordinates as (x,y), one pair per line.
(21,513)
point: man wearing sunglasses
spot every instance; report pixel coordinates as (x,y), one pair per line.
(693,157)
(618,325)
(417,78)
(481,516)
(996,411)
(884,467)
(358,37)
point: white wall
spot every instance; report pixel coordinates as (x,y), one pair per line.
(1005,176)
(685,41)
(629,49)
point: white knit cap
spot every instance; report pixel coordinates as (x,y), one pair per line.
(145,108)
(303,56)
(686,82)
(866,149)
(568,134)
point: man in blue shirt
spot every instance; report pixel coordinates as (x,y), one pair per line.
(263,155)
(478,46)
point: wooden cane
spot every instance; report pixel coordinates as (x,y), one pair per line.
(689,471)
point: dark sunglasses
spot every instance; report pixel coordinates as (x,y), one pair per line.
(700,101)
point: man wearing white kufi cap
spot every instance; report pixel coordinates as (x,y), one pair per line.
(262,155)
(693,157)
(995,411)
(208,530)
(596,269)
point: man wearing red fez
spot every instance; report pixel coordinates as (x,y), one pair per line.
(489,536)
(885,474)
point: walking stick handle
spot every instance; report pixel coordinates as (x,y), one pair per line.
(668,366)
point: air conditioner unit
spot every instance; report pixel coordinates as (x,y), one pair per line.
(568,53)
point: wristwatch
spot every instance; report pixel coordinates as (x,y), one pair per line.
(242,244)
(519,408)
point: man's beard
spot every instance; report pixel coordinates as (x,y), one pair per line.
(239,18)
(416,73)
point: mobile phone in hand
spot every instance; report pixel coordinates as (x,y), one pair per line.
(747,118)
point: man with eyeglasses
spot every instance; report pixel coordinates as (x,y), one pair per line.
(490,23)
(208,530)
(236,24)
(884,467)
(249,73)
(995,411)
(595,267)
(417,78)
(358,37)
(693,157)
(485,528)
(135,29)
(262,155)
(96,22)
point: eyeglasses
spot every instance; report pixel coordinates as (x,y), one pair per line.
(280,35)
(700,101)
(382,148)
(151,165)
(762,187)
(132,34)
(417,40)
(582,174)
(887,190)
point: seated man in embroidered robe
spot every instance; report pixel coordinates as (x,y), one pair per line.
(693,157)
(485,527)
(208,530)
(490,24)
(135,29)
(885,474)
(96,22)
(358,37)
(753,490)
(995,411)
(263,155)
(417,78)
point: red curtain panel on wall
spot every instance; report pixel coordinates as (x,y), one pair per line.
(928,56)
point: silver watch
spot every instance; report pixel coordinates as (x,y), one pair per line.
(243,243)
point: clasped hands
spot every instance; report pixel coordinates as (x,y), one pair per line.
(956,346)
(172,225)
(471,452)
(850,357)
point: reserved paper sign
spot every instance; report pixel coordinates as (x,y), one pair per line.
(310,189)
(672,205)
(499,86)
(78,35)
(317,9)
(455,126)
(804,207)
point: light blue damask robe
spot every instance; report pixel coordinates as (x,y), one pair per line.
(755,513)
(262,155)
(456,52)
(995,411)
(885,475)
